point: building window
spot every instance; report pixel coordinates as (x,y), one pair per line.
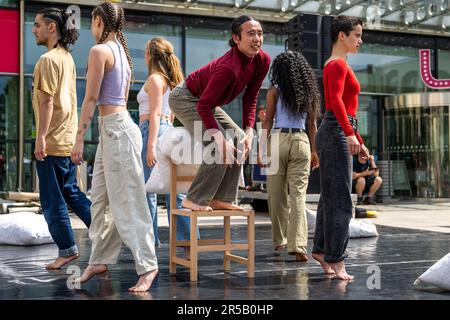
(9,86)
(9,3)
(387,69)
(137,35)
(444,64)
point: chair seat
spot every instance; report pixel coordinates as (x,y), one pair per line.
(214,213)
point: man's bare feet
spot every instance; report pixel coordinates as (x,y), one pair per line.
(280,247)
(61,262)
(341,273)
(145,282)
(92,270)
(222,205)
(320,258)
(188,204)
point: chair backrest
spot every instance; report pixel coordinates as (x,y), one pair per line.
(175,179)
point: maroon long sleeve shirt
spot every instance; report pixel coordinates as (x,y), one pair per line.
(223,79)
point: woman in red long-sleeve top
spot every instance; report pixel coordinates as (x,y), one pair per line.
(337,140)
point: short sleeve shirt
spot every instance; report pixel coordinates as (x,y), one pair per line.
(55,75)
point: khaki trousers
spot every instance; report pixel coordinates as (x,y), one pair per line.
(213,181)
(119,206)
(289,225)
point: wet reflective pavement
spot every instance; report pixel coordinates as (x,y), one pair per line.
(400,254)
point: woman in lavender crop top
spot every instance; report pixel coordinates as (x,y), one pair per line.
(119,207)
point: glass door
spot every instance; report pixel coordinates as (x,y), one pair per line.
(417,142)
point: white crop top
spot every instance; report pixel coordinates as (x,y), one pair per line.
(144,105)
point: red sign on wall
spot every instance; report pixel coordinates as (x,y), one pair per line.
(9,29)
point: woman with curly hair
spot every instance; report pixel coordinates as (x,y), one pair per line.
(292,99)
(119,206)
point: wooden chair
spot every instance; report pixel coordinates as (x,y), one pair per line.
(196,246)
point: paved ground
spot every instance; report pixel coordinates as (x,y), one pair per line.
(412,237)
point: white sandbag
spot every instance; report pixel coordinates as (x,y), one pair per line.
(159,181)
(357,228)
(437,275)
(311,221)
(362,229)
(24,228)
(176,145)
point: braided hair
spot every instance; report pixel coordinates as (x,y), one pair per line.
(297,84)
(113,18)
(67,36)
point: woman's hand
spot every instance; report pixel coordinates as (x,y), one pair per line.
(151,157)
(353,145)
(364,154)
(77,152)
(314,160)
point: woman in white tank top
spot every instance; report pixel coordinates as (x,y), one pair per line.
(155,117)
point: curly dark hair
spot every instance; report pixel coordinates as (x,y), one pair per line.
(60,17)
(297,84)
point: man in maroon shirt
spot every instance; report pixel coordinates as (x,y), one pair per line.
(198,99)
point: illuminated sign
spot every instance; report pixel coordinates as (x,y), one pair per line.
(425,72)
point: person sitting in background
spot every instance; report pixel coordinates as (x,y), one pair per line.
(366,179)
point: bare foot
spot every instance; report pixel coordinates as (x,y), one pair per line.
(341,273)
(300,257)
(188,204)
(92,270)
(320,258)
(280,247)
(222,205)
(61,262)
(145,282)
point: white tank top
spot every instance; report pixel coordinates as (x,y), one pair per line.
(144,105)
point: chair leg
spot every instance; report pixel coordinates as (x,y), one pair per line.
(173,244)
(251,245)
(227,242)
(193,246)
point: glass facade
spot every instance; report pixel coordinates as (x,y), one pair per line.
(382,70)
(444,64)
(9,3)
(417,144)
(9,86)
(387,69)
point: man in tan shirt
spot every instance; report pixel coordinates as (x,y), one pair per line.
(55,109)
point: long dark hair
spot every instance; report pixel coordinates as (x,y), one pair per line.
(60,17)
(113,20)
(297,84)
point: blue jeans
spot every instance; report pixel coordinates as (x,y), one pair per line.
(335,204)
(183,225)
(57,190)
